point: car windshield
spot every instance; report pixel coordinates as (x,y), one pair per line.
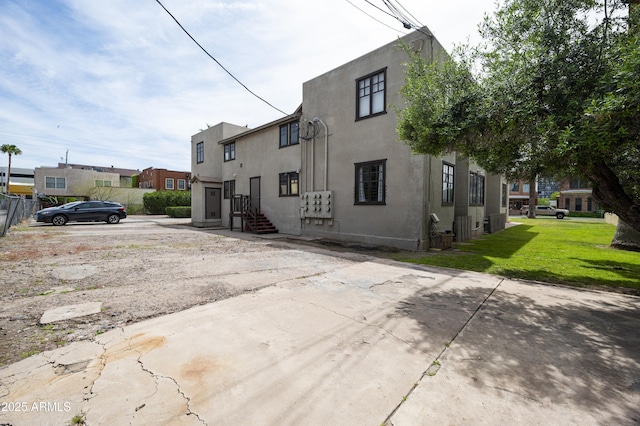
(70,205)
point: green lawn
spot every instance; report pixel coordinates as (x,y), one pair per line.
(574,252)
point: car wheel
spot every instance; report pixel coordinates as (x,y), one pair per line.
(113,219)
(559,215)
(59,220)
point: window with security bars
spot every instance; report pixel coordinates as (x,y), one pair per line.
(371,95)
(370,182)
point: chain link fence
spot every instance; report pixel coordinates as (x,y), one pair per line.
(13,209)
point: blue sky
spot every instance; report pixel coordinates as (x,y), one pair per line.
(117,82)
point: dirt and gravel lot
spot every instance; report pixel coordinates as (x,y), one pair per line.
(142,268)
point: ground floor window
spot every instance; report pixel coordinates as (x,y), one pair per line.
(229,189)
(476,189)
(370,182)
(447,183)
(289,183)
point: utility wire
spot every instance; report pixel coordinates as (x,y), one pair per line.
(409,13)
(375,19)
(216,61)
(404,20)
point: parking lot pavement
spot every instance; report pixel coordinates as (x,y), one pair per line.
(367,342)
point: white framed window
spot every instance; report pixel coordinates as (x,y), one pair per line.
(101,183)
(52,182)
(182,184)
(168,183)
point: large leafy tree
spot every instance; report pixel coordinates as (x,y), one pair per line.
(11,150)
(554,89)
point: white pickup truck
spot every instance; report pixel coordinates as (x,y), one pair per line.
(546,211)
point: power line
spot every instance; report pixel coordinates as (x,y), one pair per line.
(375,19)
(401,17)
(409,13)
(216,61)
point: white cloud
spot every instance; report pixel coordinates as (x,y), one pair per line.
(119,83)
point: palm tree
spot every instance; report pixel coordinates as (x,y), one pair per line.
(11,150)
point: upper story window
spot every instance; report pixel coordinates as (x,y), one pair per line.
(55,182)
(447,183)
(370,182)
(101,183)
(526,188)
(476,189)
(289,184)
(371,95)
(230,151)
(515,187)
(578,184)
(168,183)
(200,152)
(182,184)
(289,134)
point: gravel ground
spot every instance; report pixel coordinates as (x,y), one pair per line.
(138,269)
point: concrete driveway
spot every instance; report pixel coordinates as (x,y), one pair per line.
(366,342)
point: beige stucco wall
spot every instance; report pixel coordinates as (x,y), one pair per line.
(413,183)
(78,181)
(401,222)
(209,172)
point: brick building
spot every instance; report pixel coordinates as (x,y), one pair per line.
(164,180)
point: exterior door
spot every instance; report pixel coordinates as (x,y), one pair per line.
(213,203)
(254,192)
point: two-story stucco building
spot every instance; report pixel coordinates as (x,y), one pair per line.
(335,168)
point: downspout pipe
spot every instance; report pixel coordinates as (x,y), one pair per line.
(326,149)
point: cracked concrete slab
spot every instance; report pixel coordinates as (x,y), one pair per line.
(62,313)
(347,345)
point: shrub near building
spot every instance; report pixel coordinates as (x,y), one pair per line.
(157,202)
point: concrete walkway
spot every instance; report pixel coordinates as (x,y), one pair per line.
(367,343)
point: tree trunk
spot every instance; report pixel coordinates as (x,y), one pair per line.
(6,189)
(626,238)
(609,192)
(533,199)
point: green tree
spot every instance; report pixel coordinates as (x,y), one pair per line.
(553,90)
(11,150)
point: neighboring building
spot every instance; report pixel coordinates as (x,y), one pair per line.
(65,184)
(519,193)
(126,175)
(164,180)
(21,181)
(576,196)
(334,169)
(70,182)
(547,187)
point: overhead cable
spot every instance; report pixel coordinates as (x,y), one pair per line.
(375,19)
(219,64)
(409,22)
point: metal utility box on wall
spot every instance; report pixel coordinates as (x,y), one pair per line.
(317,204)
